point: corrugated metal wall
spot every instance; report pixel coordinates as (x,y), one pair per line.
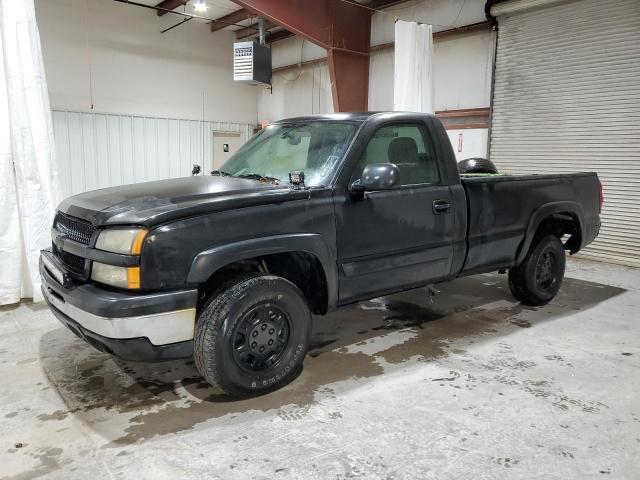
(101,150)
(567,99)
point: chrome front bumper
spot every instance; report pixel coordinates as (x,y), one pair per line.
(159,328)
(109,317)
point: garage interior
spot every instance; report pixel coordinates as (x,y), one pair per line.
(455,381)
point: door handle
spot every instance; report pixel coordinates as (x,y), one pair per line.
(441,206)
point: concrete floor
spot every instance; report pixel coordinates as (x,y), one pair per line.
(471,386)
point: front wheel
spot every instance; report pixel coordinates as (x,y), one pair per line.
(252,337)
(538,278)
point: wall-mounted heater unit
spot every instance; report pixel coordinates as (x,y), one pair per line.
(251,63)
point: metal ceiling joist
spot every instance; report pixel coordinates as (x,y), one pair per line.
(278,35)
(169,5)
(233,17)
(252,30)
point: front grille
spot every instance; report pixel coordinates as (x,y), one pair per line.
(74,263)
(77,230)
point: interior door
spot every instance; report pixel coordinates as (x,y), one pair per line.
(224,145)
(394,239)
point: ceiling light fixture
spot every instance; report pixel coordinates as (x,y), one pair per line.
(200,6)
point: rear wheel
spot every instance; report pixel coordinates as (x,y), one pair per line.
(252,337)
(538,278)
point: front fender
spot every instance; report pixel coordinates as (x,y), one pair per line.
(210,261)
(543,212)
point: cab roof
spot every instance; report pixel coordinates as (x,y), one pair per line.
(351,116)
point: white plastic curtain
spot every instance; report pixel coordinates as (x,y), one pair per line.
(28,178)
(413,77)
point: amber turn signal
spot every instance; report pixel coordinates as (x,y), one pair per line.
(133,277)
(136,246)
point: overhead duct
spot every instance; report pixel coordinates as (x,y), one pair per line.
(261,29)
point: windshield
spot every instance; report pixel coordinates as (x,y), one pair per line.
(315,148)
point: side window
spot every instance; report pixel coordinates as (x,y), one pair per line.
(408,147)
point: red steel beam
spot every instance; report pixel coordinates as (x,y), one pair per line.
(308,19)
(349,73)
(169,5)
(340,27)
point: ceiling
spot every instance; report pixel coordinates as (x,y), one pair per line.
(217,8)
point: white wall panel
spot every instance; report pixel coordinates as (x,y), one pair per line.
(296,92)
(90,163)
(61,135)
(381,80)
(295,50)
(76,153)
(98,150)
(469,142)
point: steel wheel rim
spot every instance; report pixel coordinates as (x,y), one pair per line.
(261,337)
(546,270)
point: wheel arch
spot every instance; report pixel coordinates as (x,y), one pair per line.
(304,259)
(556,217)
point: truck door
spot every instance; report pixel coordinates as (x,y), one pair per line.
(390,240)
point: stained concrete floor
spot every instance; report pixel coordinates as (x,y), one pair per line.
(471,385)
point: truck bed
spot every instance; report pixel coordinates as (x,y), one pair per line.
(500,210)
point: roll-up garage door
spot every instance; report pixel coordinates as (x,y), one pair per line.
(567,99)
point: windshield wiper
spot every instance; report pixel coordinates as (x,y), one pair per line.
(250,176)
(260,178)
(220,173)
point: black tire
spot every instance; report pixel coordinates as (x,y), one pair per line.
(476,165)
(229,327)
(539,277)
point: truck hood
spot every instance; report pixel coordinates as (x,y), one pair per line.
(151,203)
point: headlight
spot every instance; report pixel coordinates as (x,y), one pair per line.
(121,277)
(121,240)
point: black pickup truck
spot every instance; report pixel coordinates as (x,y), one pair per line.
(311,214)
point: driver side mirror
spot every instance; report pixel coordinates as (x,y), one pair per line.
(378,176)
